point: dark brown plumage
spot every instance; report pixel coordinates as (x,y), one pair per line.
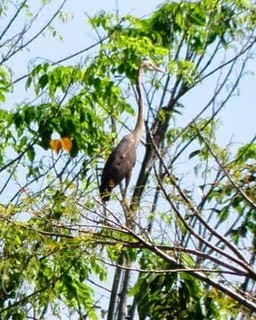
(123,158)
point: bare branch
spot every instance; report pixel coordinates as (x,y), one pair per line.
(237,188)
(13,19)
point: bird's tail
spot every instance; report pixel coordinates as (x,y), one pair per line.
(105,192)
(106,188)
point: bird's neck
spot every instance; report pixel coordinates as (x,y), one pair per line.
(140,119)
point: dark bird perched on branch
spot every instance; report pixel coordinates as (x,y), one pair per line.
(122,159)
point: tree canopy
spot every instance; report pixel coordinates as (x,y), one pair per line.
(189,249)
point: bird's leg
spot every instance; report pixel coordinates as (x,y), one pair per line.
(123,191)
(127,181)
(104,209)
(104,215)
(123,197)
(125,202)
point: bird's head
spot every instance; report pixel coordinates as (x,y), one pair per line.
(148,65)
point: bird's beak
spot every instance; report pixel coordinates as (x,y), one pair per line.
(155,68)
(150,66)
(159,70)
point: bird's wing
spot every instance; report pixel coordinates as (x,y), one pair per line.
(121,160)
(126,151)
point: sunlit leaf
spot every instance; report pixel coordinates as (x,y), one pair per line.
(2,97)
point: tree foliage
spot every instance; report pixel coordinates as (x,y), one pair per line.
(191,243)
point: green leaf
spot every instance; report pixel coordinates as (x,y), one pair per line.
(246,152)
(223,214)
(43,81)
(31,154)
(29,115)
(17,119)
(194,153)
(2,97)
(28,82)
